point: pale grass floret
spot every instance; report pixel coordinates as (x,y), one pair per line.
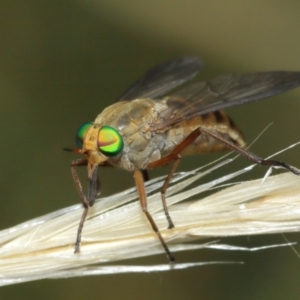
(116,228)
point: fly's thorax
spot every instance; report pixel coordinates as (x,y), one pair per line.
(132,120)
(141,158)
(129,116)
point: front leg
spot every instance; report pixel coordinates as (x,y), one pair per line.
(86,202)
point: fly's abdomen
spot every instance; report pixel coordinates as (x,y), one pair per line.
(217,122)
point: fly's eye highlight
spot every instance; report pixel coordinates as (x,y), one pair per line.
(81,132)
(110,142)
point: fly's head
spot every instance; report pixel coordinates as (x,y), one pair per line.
(98,143)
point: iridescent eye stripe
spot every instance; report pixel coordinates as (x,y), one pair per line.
(110,142)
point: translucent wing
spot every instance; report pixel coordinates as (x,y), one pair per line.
(164,77)
(224,91)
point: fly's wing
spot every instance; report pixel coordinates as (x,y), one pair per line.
(164,77)
(221,92)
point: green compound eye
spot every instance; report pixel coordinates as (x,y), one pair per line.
(81,132)
(110,142)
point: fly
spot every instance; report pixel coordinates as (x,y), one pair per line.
(150,126)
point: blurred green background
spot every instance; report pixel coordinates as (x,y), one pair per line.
(62,62)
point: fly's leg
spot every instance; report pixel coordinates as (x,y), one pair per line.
(145,175)
(194,134)
(164,189)
(249,155)
(143,201)
(175,156)
(84,200)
